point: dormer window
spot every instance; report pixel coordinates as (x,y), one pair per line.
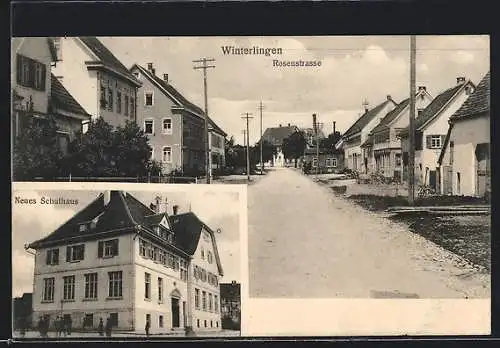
(83,227)
(469,90)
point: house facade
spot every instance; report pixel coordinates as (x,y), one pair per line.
(217,141)
(359,158)
(431,127)
(38,94)
(275,136)
(329,161)
(120,259)
(385,146)
(465,159)
(100,83)
(174,125)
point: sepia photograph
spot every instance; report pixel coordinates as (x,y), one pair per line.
(138,262)
(366,160)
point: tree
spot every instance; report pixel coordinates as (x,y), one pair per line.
(329,142)
(131,151)
(36,150)
(294,146)
(268,150)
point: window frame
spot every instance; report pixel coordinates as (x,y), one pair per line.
(115,284)
(91,286)
(147,286)
(164,151)
(119,102)
(167,131)
(52,260)
(146,93)
(196,298)
(74,253)
(160,290)
(432,139)
(69,283)
(152,122)
(49,287)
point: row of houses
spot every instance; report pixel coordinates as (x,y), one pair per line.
(78,79)
(452,139)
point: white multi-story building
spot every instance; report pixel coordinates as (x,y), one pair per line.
(121,260)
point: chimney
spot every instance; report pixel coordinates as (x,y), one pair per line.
(422,88)
(389,97)
(175,209)
(165,78)
(334,128)
(107,197)
(150,67)
(460,80)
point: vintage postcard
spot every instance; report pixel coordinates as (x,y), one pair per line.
(366,159)
(139,260)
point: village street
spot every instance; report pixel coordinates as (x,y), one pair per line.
(305,242)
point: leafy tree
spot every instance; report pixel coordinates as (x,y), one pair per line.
(36,149)
(268,150)
(131,151)
(294,146)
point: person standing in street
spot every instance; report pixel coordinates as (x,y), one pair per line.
(148,325)
(108,327)
(69,323)
(101,327)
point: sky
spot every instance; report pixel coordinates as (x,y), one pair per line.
(353,69)
(32,222)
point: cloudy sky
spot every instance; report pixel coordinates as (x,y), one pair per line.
(353,69)
(32,222)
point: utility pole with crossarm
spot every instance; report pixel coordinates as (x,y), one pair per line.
(261,107)
(205,66)
(248,117)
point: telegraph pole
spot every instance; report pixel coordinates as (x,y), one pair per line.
(261,107)
(411,152)
(205,66)
(248,117)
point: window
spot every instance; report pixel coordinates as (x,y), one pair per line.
(160,289)
(167,126)
(52,257)
(148,98)
(150,251)
(205,323)
(156,256)
(88,320)
(329,162)
(209,257)
(398,159)
(419,111)
(69,288)
(167,154)
(151,153)
(91,286)
(184,272)
(203,275)
(216,303)
(48,289)
(204,300)
(202,254)
(160,321)
(148,126)
(176,263)
(435,141)
(334,162)
(110,99)
(83,227)
(147,286)
(137,75)
(196,298)
(113,318)
(163,257)
(119,102)
(217,323)
(142,248)
(469,90)
(102,102)
(75,253)
(315,162)
(148,318)
(31,73)
(198,322)
(452,152)
(108,248)
(126,105)
(210,303)
(211,323)
(132,107)
(115,284)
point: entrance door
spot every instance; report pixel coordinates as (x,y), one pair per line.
(448,180)
(432,179)
(483,164)
(175,312)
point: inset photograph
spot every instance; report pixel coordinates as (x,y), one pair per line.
(90,263)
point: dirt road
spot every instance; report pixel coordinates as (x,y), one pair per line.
(305,242)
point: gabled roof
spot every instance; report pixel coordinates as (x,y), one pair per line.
(105,56)
(368,142)
(171,92)
(435,106)
(477,103)
(391,116)
(62,99)
(127,214)
(366,118)
(276,135)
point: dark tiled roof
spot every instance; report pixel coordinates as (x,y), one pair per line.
(365,119)
(368,142)
(276,135)
(125,212)
(230,291)
(391,115)
(179,97)
(478,102)
(105,56)
(433,108)
(62,99)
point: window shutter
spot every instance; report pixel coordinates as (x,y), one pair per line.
(428,141)
(68,254)
(100,249)
(32,73)
(56,252)
(82,247)
(115,247)
(47,257)
(44,76)
(19,66)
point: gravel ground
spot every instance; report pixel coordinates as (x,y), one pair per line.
(305,242)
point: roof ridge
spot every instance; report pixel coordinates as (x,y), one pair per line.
(127,209)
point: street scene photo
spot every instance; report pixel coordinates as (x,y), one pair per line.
(126,263)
